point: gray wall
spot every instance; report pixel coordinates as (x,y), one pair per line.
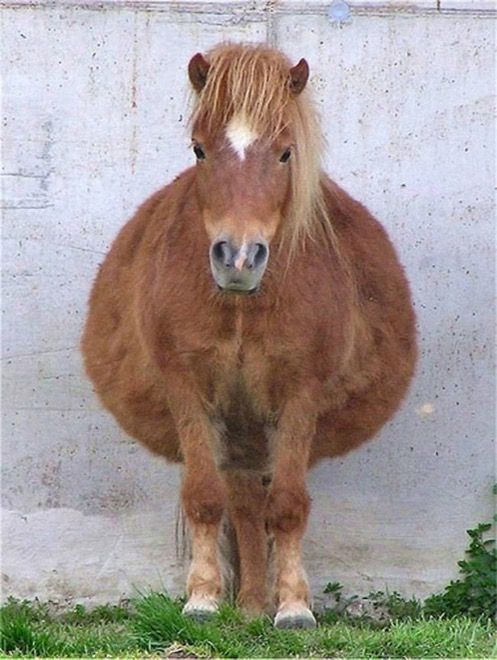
(94,109)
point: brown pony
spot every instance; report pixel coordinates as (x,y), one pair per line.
(250,320)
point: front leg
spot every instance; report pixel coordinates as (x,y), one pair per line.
(288,510)
(203,497)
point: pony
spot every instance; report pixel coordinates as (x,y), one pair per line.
(250,320)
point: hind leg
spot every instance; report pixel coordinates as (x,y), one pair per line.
(246,501)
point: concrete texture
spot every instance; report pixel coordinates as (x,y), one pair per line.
(94,113)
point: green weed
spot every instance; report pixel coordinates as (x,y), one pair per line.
(475,592)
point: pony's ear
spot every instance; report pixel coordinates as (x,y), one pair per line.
(198,69)
(298,77)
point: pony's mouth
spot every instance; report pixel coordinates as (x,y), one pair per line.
(239,290)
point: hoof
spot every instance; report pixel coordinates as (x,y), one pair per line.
(200,609)
(252,613)
(252,608)
(294,618)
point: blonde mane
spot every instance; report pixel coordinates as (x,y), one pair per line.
(253,83)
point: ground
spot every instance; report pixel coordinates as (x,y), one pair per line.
(153,626)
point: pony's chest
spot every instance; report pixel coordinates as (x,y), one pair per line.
(234,374)
(240,378)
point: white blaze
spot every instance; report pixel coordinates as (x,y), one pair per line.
(240,135)
(242,256)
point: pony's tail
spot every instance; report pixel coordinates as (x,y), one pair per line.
(182,538)
(229,559)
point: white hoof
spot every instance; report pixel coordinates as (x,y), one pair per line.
(200,608)
(294,617)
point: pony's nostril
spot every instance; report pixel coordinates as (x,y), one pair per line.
(257,256)
(222,254)
(260,255)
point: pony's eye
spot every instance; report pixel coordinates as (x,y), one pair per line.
(199,152)
(285,156)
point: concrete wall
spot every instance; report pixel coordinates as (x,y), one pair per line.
(94,119)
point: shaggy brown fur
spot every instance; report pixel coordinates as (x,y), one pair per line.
(242,388)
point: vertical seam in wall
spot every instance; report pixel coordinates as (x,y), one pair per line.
(133,93)
(271,33)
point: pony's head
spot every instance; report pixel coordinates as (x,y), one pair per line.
(257,144)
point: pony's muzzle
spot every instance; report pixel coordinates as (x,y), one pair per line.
(238,268)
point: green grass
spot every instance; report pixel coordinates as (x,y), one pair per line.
(154,626)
